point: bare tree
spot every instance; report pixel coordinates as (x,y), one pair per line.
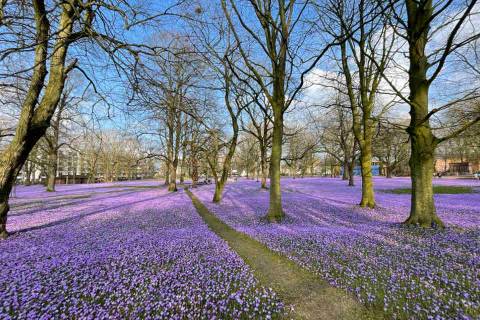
(338,139)
(302,144)
(421,21)
(259,125)
(391,147)
(55,29)
(365,55)
(275,63)
(247,155)
(52,140)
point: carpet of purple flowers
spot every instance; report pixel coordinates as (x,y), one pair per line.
(406,271)
(121,251)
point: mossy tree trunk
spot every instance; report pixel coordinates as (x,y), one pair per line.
(33,122)
(362,125)
(275,38)
(29,169)
(423,142)
(421,15)
(361,49)
(171,174)
(368,197)
(194,174)
(174,124)
(227,164)
(422,210)
(182,169)
(351,163)
(53,143)
(275,210)
(261,130)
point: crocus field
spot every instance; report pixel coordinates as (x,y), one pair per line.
(407,272)
(133,250)
(121,251)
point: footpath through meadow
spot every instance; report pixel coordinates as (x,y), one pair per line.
(309,296)
(403,272)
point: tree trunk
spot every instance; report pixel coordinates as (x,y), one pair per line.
(182,170)
(368,199)
(227,163)
(345,169)
(11,162)
(28,174)
(219,186)
(182,176)
(194,171)
(422,210)
(91,177)
(167,175)
(52,172)
(275,211)
(423,142)
(389,172)
(33,123)
(172,185)
(4,208)
(6,184)
(263,167)
(351,180)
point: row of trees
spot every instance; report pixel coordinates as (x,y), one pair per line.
(92,157)
(46,41)
(248,66)
(365,38)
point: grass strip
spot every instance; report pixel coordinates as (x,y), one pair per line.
(436,190)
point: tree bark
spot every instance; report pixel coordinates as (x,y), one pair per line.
(275,211)
(33,122)
(227,162)
(28,173)
(423,142)
(351,180)
(172,185)
(368,199)
(167,175)
(422,211)
(4,207)
(194,168)
(389,172)
(182,170)
(345,169)
(52,171)
(263,168)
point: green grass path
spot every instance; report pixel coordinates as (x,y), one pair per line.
(311,296)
